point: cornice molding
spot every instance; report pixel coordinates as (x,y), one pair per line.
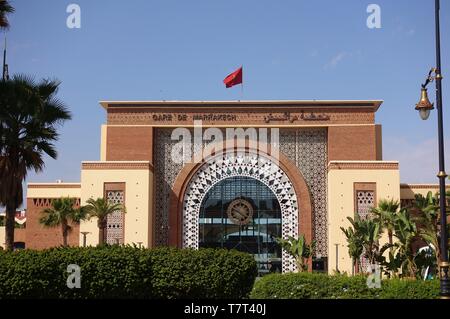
(54,185)
(363,165)
(116,165)
(421,186)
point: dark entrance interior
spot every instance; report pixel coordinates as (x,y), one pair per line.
(242,213)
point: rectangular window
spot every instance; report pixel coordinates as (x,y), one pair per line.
(115,228)
(365,200)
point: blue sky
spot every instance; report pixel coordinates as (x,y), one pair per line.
(177,49)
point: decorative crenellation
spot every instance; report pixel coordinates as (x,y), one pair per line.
(230,165)
(47,202)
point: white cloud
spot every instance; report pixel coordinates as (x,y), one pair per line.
(335,60)
(418,162)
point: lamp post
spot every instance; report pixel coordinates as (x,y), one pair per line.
(337,257)
(424,107)
(84,233)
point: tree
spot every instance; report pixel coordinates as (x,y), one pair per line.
(63,213)
(355,246)
(406,233)
(29,116)
(385,215)
(100,208)
(428,218)
(366,232)
(299,249)
(5,9)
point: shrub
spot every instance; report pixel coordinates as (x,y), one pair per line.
(211,273)
(127,272)
(322,286)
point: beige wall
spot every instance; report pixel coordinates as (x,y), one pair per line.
(407,191)
(138,201)
(341,205)
(53,190)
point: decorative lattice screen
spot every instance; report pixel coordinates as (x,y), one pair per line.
(114,222)
(365,203)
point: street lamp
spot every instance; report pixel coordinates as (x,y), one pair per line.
(424,107)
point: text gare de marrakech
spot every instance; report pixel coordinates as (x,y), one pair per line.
(167,117)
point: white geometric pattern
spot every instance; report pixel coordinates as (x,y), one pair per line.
(249,165)
(365,203)
(114,221)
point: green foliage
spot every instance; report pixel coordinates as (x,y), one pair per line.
(30,115)
(364,234)
(428,219)
(62,213)
(5,9)
(355,244)
(398,257)
(406,234)
(385,214)
(299,249)
(127,272)
(321,286)
(203,273)
(100,208)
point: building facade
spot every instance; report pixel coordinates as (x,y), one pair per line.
(235,174)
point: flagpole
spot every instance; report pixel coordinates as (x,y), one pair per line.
(242,83)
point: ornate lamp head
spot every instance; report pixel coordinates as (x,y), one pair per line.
(424,106)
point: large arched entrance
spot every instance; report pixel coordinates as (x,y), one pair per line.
(242,213)
(240,173)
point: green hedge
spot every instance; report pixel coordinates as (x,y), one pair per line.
(127,272)
(321,286)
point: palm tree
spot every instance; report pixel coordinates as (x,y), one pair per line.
(29,116)
(100,208)
(5,8)
(299,249)
(355,246)
(428,220)
(406,234)
(369,233)
(385,215)
(63,213)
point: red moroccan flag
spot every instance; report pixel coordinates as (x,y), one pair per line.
(233,78)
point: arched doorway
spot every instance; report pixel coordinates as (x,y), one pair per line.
(242,213)
(243,169)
